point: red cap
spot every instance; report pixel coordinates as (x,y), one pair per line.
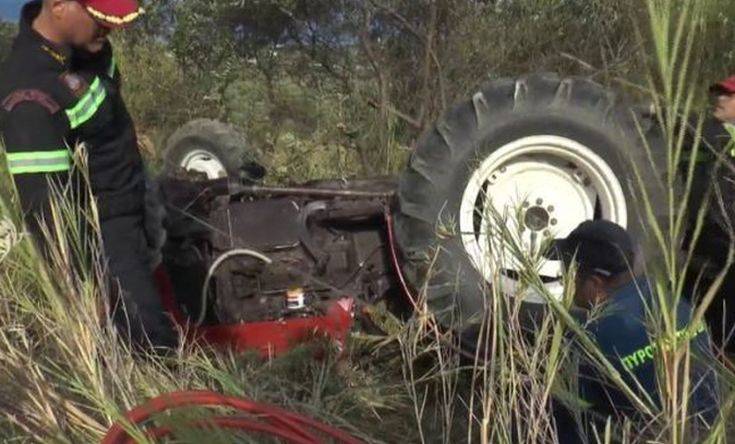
(114,13)
(726,86)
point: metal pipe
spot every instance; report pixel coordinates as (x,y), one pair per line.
(259,190)
(213,268)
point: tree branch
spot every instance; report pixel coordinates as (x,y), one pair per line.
(415,123)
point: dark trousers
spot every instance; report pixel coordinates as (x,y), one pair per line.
(137,307)
(568,431)
(711,254)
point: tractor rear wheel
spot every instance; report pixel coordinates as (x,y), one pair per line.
(523,162)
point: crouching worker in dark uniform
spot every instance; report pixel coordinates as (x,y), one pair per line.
(604,255)
(60,88)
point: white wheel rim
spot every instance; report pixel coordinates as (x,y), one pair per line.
(203,161)
(550,182)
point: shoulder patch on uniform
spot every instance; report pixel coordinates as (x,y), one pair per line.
(75,83)
(30,95)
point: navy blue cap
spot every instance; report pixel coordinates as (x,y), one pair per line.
(598,246)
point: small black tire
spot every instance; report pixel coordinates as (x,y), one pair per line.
(503,111)
(206,137)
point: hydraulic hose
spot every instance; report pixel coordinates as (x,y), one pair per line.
(288,426)
(216,264)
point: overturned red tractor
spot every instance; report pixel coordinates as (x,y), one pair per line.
(522,162)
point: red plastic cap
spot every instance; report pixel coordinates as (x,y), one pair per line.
(114,13)
(726,86)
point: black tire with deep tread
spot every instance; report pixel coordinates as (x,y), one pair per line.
(222,140)
(431,187)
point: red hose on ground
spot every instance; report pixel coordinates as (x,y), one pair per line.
(291,427)
(225,422)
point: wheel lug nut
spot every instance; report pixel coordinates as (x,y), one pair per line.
(554,221)
(550,208)
(539,201)
(547,233)
(526,204)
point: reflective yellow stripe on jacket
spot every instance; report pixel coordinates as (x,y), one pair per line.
(29,162)
(88,105)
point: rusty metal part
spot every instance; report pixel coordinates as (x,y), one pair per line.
(326,237)
(224,187)
(237,190)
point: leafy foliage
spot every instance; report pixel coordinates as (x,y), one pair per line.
(379,71)
(7,32)
(396,64)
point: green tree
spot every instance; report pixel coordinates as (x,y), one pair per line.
(392,66)
(7,34)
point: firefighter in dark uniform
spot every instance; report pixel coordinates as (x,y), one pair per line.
(622,301)
(715,172)
(718,134)
(60,88)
